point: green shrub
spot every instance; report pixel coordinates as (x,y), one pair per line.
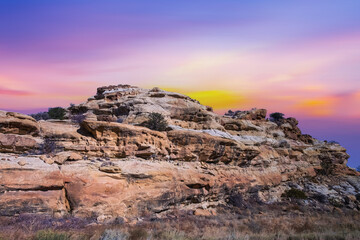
(40,116)
(51,235)
(57,113)
(156,122)
(276,116)
(294,193)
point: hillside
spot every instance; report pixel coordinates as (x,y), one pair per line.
(110,166)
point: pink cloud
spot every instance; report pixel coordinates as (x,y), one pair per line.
(4,91)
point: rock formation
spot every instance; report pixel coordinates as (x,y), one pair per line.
(110,166)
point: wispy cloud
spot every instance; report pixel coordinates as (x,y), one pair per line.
(5,91)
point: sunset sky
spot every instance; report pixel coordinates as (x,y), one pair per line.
(301,58)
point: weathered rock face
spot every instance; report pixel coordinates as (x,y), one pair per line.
(17,123)
(132,105)
(104,170)
(253,114)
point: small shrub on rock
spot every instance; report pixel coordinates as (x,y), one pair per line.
(40,116)
(320,197)
(229,113)
(79,118)
(120,120)
(156,122)
(121,111)
(327,167)
(276,116)
(294,193)
(49,146)
(284,144)
(57,113)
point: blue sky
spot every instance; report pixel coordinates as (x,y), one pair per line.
(296,57)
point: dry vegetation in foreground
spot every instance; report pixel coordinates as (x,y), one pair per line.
(288,227)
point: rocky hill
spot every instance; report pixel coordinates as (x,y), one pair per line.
(109,166)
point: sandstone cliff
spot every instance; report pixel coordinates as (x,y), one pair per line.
(109,166)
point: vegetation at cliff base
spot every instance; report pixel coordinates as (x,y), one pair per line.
(51,235)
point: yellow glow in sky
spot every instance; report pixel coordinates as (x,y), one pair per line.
(318,107)
(218,99)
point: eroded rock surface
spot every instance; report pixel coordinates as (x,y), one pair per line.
(111,166)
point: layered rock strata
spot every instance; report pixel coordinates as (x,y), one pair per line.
(110,166)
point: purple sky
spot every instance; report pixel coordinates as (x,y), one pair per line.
(296,57)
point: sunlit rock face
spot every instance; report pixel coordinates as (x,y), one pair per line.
(110,165)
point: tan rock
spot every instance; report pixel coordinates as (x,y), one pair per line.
(62,157)
(52,202)
(16,123)
(17,143)
(203,212)
(207,148)
(351,197)
(35,175)
(146,152)
(22,162)
(253,114)
(110,168)
(74,156)
(121,140)
(47,159)
(59,130)
(239,125)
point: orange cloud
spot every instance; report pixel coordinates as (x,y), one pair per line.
(319,107)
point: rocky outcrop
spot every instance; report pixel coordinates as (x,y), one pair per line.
(253,114)
(17,143)
(110,169)
(132,105)
(16,123)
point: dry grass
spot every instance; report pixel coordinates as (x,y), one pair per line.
(188,227)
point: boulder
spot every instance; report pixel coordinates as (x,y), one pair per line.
(239,125)
(204,212)
(253,114)
(17,143)
(16,123)
(62,157)
(109,167)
